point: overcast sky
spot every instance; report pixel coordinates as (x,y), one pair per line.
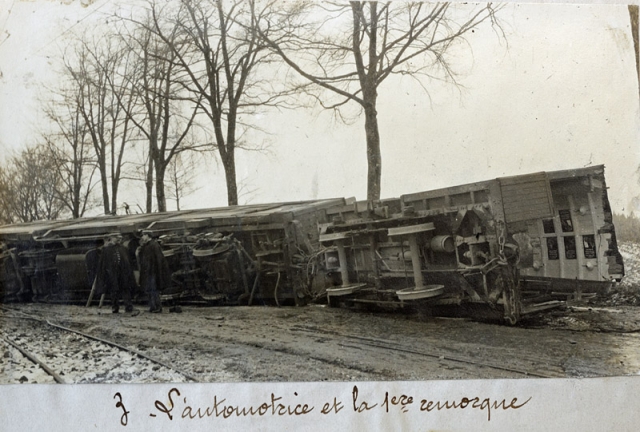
(560,93)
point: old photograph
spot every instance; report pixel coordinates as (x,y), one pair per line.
(220,191)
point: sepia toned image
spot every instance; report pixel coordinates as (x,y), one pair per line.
(293,191)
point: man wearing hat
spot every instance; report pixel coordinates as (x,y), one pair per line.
(115,274)
(155,275)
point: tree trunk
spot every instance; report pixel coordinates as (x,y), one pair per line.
(161,198)
(149,185)
(75,204)
(76,201)
(229,165)
(374,157)
(105,189)
(114,197)
(76,186)
(633,16)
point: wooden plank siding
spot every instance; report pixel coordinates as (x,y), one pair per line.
(526,197)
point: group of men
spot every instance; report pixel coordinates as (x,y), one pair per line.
(115,272)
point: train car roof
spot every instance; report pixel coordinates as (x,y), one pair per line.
(29,230)
(99,226)
(237,216)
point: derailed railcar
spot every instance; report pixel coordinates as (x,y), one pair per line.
(507,247)
(512,245)
(27,268)
(56,261)
(230,255)
(245,254)
(576,239)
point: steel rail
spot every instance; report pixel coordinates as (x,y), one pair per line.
(107,342)
(34,359)
(132,351)
(378,343)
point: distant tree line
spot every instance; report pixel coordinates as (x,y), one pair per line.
(139,95)
(627,227)
(30,187)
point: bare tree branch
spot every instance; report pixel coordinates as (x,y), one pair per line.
(351,49)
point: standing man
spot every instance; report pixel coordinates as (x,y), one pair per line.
(115,274)
(155,275)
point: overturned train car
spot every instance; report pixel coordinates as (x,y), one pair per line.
(508,246)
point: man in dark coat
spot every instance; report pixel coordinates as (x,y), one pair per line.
(115,274)
(155,275)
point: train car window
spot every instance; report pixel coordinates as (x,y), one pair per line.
(548,226)
(589,244)
(570,247)
(552,248)
(565,221)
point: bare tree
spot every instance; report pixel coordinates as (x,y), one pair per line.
(181,175)
(69,148)
(351,49)
(6,216)
(28,187)
(158,114)
(97,68)
(223,53)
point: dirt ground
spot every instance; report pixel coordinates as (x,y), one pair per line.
(317,343)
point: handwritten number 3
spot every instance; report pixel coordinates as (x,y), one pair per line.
(125,415)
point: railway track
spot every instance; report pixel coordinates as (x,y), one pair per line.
(376,347)
(355,341)
(523,366)
(71,356)
(416,349)
(271,344)
(359,344)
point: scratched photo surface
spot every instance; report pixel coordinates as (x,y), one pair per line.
(297,191)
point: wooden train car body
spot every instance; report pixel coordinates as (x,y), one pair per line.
(214,254)
(515,244)
(510,244)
